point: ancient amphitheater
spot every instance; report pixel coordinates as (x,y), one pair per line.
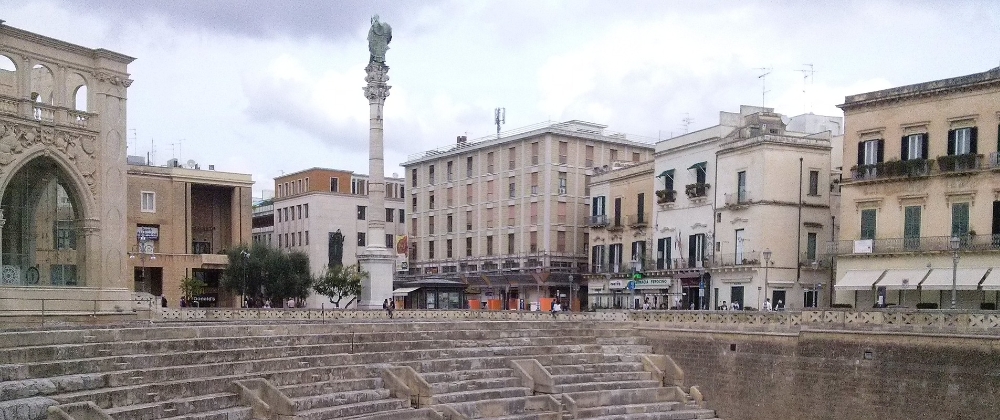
(362,367)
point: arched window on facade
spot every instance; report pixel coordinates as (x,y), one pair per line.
(8,77)
(77,87)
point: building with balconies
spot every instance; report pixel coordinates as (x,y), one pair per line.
(620,223)
(508,215)
(745,191)
(324,213)
(181,221)
(921,196)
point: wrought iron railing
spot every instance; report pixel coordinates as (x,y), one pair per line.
(967,243)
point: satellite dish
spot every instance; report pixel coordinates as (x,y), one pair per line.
(190,164)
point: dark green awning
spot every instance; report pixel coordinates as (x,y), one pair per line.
(666,174)
(699,165)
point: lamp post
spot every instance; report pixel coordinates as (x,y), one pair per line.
(141,252)
(767,266)
(954,244)
(243,286)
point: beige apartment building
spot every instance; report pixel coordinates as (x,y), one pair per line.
(181,222)
(506,215)
(620,221)
(323,213)
(922,196)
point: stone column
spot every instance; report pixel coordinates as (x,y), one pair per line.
(376,259)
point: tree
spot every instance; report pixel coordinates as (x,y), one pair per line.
(341,281)
(191,287)
(267,273)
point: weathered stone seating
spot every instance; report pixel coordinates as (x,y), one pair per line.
(313,370)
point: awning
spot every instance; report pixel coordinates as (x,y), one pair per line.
(403,291)
(699,165)
(965,279)
(992,281)
(669,173)
(893,279)
(859,279)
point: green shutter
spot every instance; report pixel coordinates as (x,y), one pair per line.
(868,224)
(911,227)
(960,219)
(811,247)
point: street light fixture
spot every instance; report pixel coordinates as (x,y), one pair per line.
(767,266)
(954,244)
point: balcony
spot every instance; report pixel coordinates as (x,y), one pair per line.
(615,224)
(970,243)
(736,259)
(637,220)
(598,221)
(959,163)
(892,169)
(666,196)
(45,113)
(696,190)
(737,199)
(994,160)
(816,261)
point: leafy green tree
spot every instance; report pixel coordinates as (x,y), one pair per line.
(266,273)
(191,287)
(340,282)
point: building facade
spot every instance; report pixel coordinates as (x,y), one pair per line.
(181,222)
(324,212)
(620,221)
(507,215)
(921,197)
(62,173)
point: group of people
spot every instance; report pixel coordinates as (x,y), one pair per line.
(735,306)
(389,306)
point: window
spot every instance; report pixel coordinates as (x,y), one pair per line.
(615,258)
(811,246)
(589,162)
(597,254)
(635,156)
(534,153)
(468,247)
(414,208)
(468,220)
(430,202)
(618,212)
(614,155)
(292,209)
(696,250)
(701,173)
(300,238)
(450,174)
(560,241)
(306,208)
(810,299)
(562,183)
(65,237)
(914,146)
(534,183)
(868,224)
(533,241)
(489,245)
(468,194)
(741,186)
(334,184)
(911,227)
(430,225)
(307,237)
(358,186)
(511,188)
(388,215)
(563,152)
(641,207)
(736,295)
(447,248)
(279,240)
(489,163)
(813,182)
(299,210)
(960,220)
(598,206)
(388,240)
(278,212)
(962,141)
(511,153)
(402,215)
(451,225)
(638,253)
(870,152)
(663,254)
(413,177)
(430,250)
(361,212)
(147,201)
(468,167)
(510,244)
(361,239)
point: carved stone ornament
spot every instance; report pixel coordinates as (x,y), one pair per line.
(112,79)
(78,148)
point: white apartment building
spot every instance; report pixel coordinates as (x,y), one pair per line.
(506,215)
(315,209)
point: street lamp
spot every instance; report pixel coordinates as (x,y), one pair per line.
(243,286)
(142,251)
(767,266)
(954,244)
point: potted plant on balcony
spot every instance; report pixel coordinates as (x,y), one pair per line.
(665,196)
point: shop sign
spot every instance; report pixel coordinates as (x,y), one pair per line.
(651,283)
(616,284)
(148,233)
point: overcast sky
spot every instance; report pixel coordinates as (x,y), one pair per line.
(270,87)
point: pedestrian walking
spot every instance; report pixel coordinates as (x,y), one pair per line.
(392,307)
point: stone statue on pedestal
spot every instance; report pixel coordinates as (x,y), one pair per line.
(378,40)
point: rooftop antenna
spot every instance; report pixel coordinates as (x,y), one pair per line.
(500,116)
(686,121)
(808,77)
(178,153)
(763,84)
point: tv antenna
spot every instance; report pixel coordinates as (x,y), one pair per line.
(763,84)
(500,116)
(808,78)
(686,121)
(177,153)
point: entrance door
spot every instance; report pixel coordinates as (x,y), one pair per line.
(778,296)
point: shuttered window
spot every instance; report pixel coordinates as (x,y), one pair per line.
(868,224)
(911,227)
(960,219)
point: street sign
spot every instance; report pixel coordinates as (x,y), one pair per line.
(631,285)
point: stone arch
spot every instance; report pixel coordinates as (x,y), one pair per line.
(8,76)
(47,214)
(43,84)
(77,91)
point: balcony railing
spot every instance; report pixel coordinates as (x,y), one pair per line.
(959,163)
(737,198)
(816,261)
(636,220)
(696,190)
(736,259)
(994,160)
(968,243)
(666,196)
(599,220)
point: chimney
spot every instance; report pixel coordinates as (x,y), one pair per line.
(211,167)
(461,139)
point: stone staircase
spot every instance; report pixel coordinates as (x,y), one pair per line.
(372,370)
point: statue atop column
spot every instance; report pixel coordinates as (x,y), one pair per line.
(379,37)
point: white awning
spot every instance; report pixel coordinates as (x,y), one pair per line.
(859,279)
(893,279)
(965,279)
(992,281)
(403,291)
